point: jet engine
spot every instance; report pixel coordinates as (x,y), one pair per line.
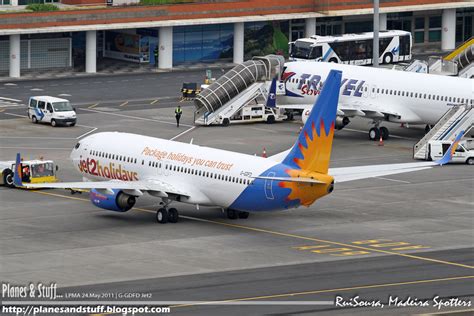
(341,122)
(118,201)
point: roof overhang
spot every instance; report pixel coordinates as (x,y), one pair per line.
(251,18)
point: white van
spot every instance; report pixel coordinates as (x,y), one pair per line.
(464,153)
(51,110)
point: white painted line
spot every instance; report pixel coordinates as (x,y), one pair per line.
(35,148)
(33,137)
(87,133)
(36,89)
(401,181)
(185,132)
(133,117)
(12,114)
(9,99)
(10,84)
(64,95)
(366,132)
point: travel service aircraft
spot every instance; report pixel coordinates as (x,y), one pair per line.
(239,183)
(375,93)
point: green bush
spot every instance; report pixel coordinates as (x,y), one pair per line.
(39,7)
(157,2)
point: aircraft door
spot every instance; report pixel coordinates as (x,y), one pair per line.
(269,186)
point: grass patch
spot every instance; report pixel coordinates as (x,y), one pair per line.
(42,7)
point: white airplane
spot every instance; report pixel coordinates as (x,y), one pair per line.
(375,93)
(119,167)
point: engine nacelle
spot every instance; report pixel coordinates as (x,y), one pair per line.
(118,201)
(341,122)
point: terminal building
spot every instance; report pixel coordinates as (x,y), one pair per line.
(82,34)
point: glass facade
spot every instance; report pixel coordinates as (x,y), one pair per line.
(202,43)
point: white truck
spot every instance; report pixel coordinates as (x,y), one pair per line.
(464,153)
(253,113)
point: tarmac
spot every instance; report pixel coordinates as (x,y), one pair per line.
(400,235)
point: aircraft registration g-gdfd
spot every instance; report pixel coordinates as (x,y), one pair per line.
(239,183)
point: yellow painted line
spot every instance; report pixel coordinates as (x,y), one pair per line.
(93,106)
(124,104)
(182,100)
(447,312)
(300,237)
(153,102)
(343,289)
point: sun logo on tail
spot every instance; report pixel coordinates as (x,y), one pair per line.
(313,164)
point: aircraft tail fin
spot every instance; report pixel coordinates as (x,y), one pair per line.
(18,172)
(271,99)
(450,152)
(312,149)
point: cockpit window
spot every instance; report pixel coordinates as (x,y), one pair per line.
(77,146)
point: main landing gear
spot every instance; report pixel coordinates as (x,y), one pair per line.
(165,214)
(376,131)
(233,214)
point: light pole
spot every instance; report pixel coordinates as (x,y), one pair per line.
(376,34)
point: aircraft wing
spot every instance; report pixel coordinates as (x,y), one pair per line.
(143,185)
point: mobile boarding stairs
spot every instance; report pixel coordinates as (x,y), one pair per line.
(458,118)
(242,85)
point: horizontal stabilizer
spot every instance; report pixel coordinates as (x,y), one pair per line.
(289,179)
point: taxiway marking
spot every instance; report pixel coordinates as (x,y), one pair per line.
(153,102)
(343,289)
(93,106)
(255,229)
(185,132)
(394,180)
(132,117)
(124,103)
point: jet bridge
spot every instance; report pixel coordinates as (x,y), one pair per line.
(238,87)
(458,118)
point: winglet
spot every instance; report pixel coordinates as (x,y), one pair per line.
(271,99)
(17,174)
(450,152)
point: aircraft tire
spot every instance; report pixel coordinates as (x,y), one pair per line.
(385,133)
(231,214)
(173,215)
(244,215)
(374,134)
(162,216)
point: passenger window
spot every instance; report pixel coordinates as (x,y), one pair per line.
(49,107)
(41,105)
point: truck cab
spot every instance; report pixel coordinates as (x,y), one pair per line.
(32,171)
(54,111)
(464,152)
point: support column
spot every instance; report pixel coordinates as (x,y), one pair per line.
(448,29)
(165,47)
(91,51)
(238,43)
(310,27)
(14,2)
(15,56)
(382,21)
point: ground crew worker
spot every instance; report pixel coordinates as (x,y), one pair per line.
(155,52)
(177,114)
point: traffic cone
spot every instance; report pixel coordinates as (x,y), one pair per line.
(264,153)
(381,140)
(301,128)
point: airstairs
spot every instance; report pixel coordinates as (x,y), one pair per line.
(458,63)
(458,118)
(237,88)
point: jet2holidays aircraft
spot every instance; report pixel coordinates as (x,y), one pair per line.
(375,93)
(203,176)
